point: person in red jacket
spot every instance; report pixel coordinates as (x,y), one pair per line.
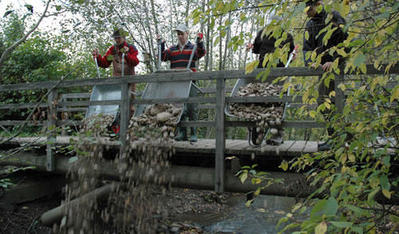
(114,56)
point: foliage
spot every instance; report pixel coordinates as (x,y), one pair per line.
(260,178)
(358,171)
(5,183)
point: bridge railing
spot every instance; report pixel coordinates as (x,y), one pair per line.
(219,100)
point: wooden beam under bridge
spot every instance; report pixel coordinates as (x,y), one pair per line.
(180,176)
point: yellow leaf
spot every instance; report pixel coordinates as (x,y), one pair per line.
(341,52)
(344,169)
(327,105)
(376,64)
(257,192)
(256,181)
(248,203)
(284,165)
(243,177)
(351,157)
(386,193)
(363,68)
(342,86)
(345,8)
(251,66)
(385,118)
(343,158)
(312,114)
(395,94)
(321,228)
(374,182)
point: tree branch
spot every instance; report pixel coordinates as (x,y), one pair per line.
(5,54)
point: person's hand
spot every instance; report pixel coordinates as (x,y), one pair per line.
(159,39)
(199,37)
(249,46)
(125,49)
(295,52)
(95,53)
(327,66)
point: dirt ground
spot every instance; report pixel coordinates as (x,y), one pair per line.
(23,218)
(186,208)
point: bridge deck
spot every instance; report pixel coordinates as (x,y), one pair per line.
(203,146)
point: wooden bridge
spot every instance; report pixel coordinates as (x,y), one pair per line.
(216,149)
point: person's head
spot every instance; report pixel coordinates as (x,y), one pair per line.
(182,33)
(119,36)
(313,7)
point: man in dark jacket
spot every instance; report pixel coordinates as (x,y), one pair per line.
(317,23)
(314,26)
(265,44)
(179,57)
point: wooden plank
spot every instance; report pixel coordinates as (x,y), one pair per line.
(19,122)
(206,106)
(51,126)
(243,123)
(74,95)
(213,90)
(21,106)
(65,104)
(125,114)
(88,103)
(220,136)
(60,140)
(164,77)
(69,122)
(285,124)
(76,109)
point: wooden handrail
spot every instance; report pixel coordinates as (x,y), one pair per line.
(167,77)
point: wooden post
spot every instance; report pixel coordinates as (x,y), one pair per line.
(125,114)
(339,94)
(220,136)
(51,128)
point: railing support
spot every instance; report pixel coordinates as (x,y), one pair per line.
(220,136)
(125,114)
(51,128)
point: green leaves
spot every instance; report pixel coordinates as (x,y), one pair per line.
(341,224)
(325,207)
(359,59)
(7,13)
(29,7)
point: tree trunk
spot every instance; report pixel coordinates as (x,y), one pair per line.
(150,37)
(220,45)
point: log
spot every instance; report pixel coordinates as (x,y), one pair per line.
(56,214)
